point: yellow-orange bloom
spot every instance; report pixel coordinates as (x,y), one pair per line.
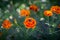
(48,13)
(6,24)
(30,23)
(24,12)
(34,8)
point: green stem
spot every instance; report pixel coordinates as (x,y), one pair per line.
(19,26)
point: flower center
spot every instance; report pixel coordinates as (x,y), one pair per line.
(30,20)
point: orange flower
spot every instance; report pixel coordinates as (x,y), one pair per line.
(54,8)
(58,10)
(24,12)
(6,24)
(30,23)
(34,7)
(48,13)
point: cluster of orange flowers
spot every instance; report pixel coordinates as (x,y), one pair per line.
(25,12)
(54,9)
(31,22)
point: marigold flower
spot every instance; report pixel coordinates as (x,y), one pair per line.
(30,23)
(24,12)
(54,8)
(58,10)
(34,8)
(48,13)
(6,24)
